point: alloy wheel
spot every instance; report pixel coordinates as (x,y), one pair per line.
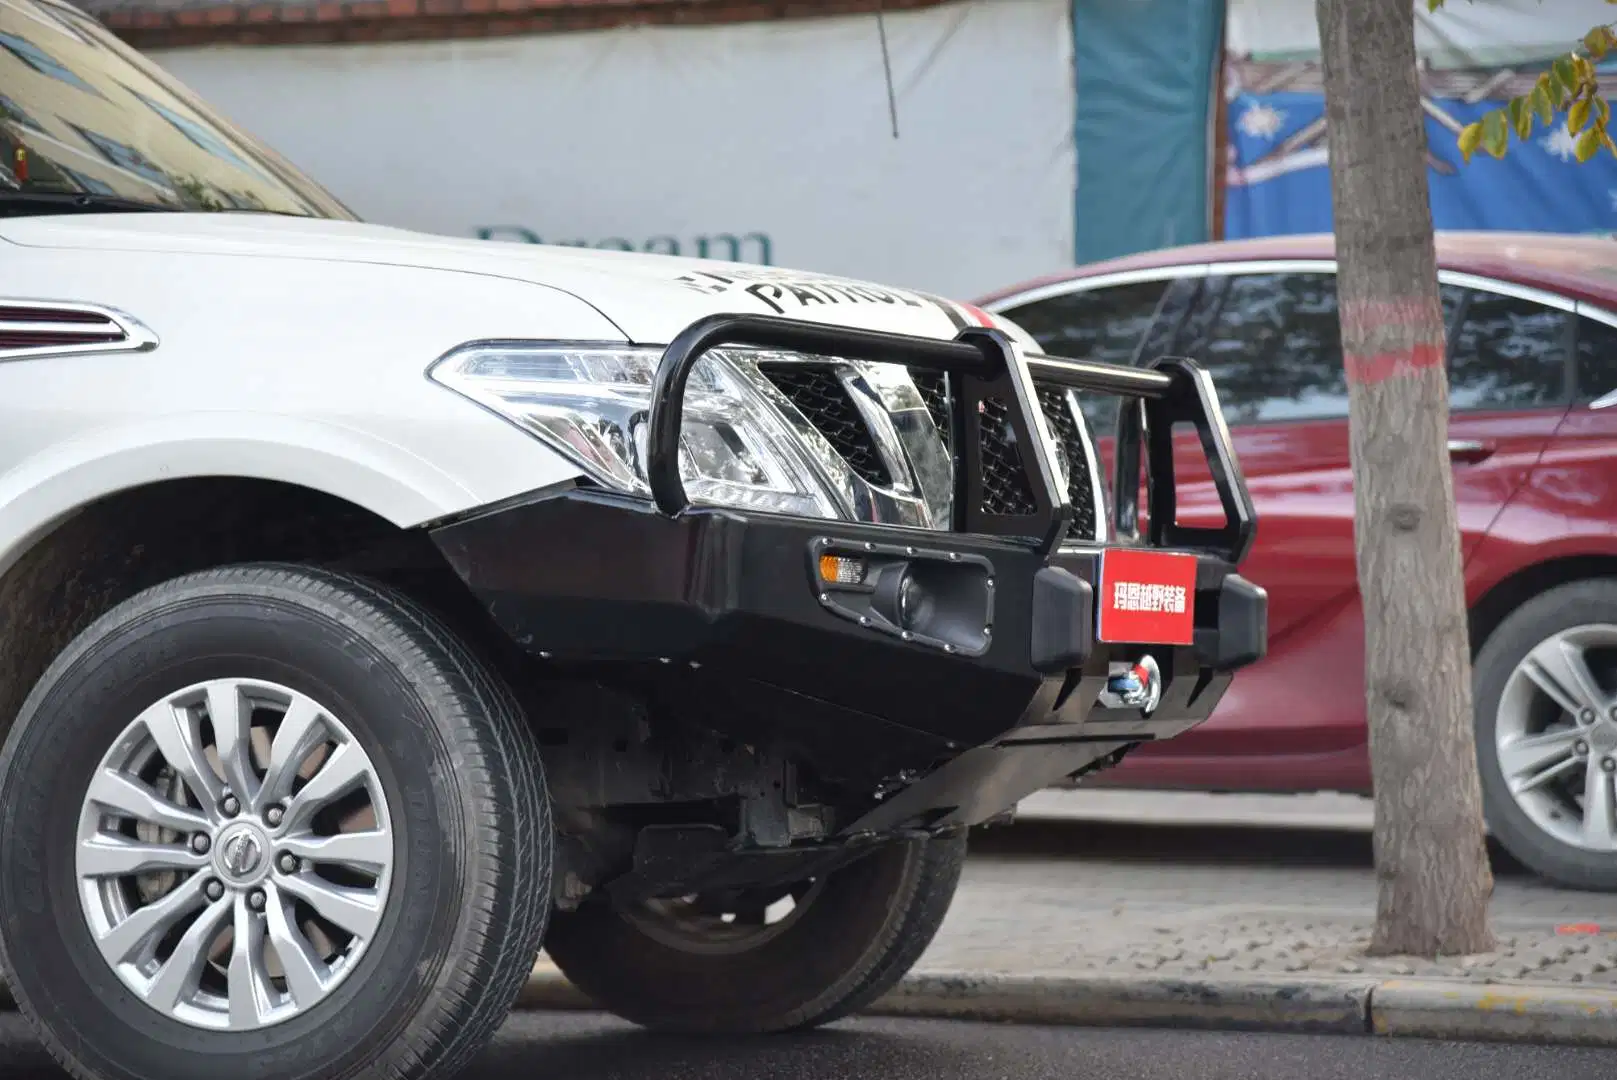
(234,854)
(1556,736)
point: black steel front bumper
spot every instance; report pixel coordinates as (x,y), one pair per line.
(985,686)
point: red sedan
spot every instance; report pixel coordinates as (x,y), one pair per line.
(1532,365)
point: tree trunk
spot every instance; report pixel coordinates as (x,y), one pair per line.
(1431,859)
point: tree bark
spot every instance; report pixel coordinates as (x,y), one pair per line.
(1431,859)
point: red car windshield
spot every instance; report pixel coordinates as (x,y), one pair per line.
(86,123)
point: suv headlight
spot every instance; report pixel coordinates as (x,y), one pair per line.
(592,403)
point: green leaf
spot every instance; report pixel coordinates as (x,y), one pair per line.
(1471,137)
(1577,117)
(1552,86)
(1587,144)
(1495,135)
(1602,111)
(1521,118)
(1597,42)
(1433,5)
(1566,74)
(1540,100)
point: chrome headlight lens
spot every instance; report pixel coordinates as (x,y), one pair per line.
(593,404)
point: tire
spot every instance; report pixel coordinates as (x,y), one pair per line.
(868,924)
(462,908)
(1539,834)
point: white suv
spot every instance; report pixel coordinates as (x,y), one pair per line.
(376,607)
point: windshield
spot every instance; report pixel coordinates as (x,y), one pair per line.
(82,115)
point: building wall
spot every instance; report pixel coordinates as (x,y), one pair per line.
(769,141)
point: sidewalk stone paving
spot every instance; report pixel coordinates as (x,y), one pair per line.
(1064,915)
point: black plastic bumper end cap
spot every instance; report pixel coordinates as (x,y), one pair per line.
(1063,620)
(1243,624)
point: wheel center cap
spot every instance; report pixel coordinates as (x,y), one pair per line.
(1603,736)
(240,854)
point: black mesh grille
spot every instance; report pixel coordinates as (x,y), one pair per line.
(820,396)
(935,392)
(822,399)
(1005,488)
(1058,417)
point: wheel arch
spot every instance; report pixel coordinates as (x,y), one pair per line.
(1512,591)
(74,568)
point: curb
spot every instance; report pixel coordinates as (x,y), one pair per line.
(1432,1009)
(1496,1013)
(1429,1009)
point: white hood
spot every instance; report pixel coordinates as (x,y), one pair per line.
(650,297)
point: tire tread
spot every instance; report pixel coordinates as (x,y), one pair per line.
(495,756)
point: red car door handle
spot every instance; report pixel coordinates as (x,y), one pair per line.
(1469,450)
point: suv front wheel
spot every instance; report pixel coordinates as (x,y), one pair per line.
(269,821)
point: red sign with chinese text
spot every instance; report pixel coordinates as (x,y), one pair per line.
(1146,597)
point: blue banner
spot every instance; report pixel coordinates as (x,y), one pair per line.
(1278,178)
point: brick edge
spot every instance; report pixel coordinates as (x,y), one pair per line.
(374,21)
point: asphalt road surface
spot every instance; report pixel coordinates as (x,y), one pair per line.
(566,1046)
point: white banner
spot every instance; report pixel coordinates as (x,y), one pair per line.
(768,142)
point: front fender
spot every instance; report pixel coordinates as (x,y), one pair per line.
(368,471)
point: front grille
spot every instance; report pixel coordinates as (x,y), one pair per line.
(934,391)
(1080,486)
(1005,488)
(822,399)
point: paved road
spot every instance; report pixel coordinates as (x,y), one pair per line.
(541,1046)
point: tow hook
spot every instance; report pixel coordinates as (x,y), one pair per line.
(1133,686)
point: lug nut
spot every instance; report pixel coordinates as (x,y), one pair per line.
(274,815)
(213,890)
(1587,716)
(287,863)
(1580,748)
(255,899)
(200,843)
(1608,764)
(230,805)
